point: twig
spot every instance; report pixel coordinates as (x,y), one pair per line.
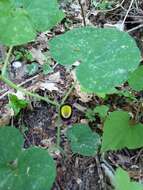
(82,12)
(100,172)
(127,12)
(28,80)
(135,28)
(119,5)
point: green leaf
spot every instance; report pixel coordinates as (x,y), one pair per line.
(82,140)
(44,15)
(102,111)
(11,142)
(20,20)
(18,55)
(5,6)
(120,133)
(15,28)
(37,168)
(106,56)
(35,171)
(136,79)
(126,93)
(46,69)
(32,168)
(17,104)
(123,182)
(28,56)
(32,68)
(90,115)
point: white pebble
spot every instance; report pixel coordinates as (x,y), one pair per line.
(16,64)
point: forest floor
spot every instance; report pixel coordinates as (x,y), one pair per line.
(38,123)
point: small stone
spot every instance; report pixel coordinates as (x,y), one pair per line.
(17,64)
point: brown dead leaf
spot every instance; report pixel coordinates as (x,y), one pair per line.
(5,115)
(55,77)
(48,86)
(51,83)
(83,96)
(38,56)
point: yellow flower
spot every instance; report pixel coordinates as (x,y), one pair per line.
(66,111)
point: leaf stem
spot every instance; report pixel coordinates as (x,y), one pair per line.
(26,92)
(34,95)
(6,61)
(58,129)
(139,107)
(68,93)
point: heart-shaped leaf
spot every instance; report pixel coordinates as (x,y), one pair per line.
(32,169)
(136,79)
(44,15)
(123,182)
(119,132)
(37,169)
(105,55)
(20,20)
(82,140)
(15,28)
(10,144)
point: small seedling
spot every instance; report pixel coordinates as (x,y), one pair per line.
(16,104)
(101,111)
(32,68)
(23,54)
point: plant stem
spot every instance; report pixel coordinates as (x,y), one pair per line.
(26,92)
(68,93)
(139,106)
(58,130)
(6,61)
(82,12)
(14,86)
(59,123)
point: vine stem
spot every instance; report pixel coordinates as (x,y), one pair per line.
(14,86)
(59,123)
(138,110)
(34,95)
(82,12)
(4,68)
(68,93)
